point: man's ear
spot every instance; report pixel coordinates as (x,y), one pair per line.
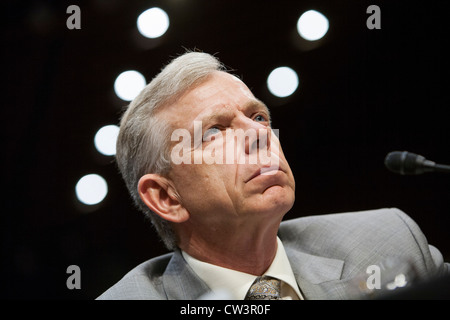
(159,194)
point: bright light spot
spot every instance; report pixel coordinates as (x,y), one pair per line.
(400,280)
(91,189)
(312,25)
(128,85)
(105,140)
(282,82)
(153,23)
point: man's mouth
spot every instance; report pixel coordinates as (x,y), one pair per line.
(266,171)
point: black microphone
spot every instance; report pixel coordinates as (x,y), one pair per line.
(407,163)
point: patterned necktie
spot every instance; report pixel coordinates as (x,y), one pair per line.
(264,288)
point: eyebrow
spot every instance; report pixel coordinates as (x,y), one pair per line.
(256,105)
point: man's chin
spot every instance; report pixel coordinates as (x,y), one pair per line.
(276,201)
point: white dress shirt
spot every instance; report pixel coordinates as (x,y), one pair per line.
(236,283)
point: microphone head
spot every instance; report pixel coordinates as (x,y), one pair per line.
(404,162)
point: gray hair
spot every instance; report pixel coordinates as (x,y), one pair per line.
(143,141)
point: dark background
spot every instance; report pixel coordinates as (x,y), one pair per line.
(362,94)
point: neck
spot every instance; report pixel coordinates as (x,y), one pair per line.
(251,250)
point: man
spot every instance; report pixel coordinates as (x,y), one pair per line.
(218,202)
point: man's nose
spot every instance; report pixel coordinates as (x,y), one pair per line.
(257,138)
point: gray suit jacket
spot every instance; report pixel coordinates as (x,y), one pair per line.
(326,253)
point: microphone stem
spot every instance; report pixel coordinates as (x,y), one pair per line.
(442,168)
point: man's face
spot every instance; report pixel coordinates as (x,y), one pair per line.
(233,189)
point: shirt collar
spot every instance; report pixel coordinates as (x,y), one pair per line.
(281,268)
(236,283)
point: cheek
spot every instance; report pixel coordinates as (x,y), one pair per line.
(203,185)
(188,177)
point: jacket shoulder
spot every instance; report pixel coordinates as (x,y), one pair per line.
(360,237)
(144,282)
(347,220)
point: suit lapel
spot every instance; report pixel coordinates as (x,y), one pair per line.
(318,277)
(181,282)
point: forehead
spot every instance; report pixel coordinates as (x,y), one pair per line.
(220,90)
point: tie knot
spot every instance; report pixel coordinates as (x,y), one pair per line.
(264,288)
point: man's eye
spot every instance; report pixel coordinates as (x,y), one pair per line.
(210,132)
(260,118)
